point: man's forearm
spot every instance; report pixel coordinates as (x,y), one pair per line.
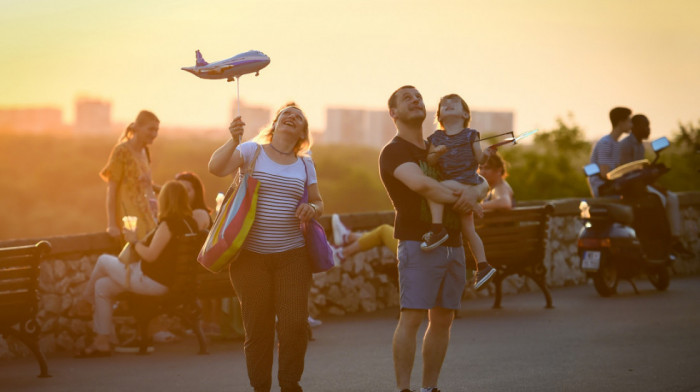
(436,192)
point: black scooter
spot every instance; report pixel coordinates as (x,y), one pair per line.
(625,231)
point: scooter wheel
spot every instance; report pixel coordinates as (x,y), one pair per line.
(605,280)
(659,277)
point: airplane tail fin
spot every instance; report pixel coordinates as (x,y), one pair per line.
(200,59)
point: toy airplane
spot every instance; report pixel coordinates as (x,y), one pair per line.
(231,68)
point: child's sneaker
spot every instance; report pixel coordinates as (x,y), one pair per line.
(483,275)
(340,232)
(338,256)
(432,240)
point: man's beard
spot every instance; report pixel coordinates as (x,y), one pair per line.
(414,122)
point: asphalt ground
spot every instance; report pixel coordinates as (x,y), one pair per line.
(629,342)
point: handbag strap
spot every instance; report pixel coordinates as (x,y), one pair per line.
(247,168)
(305,196)
(250,166)
(188,226)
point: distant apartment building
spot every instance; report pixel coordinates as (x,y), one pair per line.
(372,128)
(33,120)
(92,116)
(255,118)
(375,128)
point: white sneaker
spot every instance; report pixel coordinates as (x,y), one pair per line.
(314,323)
(338,257)
(340,232)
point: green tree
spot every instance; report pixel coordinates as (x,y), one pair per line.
(683,158)
(551,167)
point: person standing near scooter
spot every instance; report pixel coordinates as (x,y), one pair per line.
(606,152)
(632,149)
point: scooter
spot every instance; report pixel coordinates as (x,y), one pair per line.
(625,232)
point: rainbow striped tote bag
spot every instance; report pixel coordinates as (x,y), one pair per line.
(233,222)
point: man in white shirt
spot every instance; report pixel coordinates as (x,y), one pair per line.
(606,152)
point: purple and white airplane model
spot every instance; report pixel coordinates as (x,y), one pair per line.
(231,68)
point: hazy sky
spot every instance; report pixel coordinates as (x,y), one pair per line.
(540,58)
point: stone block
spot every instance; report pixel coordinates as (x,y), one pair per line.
(319,299)
(336,311)
(368,305)
(333,294)
(65,342)
(66,302)
(48,325)
(78,327)
(59,268)
(51,303)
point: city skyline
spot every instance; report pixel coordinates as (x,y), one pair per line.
(541,59)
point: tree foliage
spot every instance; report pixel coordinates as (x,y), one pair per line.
(550,167)
(683,158)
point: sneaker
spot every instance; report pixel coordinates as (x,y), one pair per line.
(313,323)
(433,240)
(338,256)
(483,276)
(340,232)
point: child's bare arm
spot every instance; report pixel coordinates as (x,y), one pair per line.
(481,155)
(434,153)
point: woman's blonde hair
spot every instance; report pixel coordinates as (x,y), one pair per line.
(465,107)
(302,146)
(173,201)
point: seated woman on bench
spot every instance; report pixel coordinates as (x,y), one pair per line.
(150,276)
(500,195)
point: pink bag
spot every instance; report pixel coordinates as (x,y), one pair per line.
(320,252)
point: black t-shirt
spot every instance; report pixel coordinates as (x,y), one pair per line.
(162,269)
(408,225)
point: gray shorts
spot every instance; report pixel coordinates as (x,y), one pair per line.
(431,279)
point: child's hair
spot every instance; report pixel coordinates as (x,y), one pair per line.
(496,161)
(465,107)
(173,201)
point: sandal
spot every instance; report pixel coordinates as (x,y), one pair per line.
(91,352)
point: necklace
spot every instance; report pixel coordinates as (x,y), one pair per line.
(281,152)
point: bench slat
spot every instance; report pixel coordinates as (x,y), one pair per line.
(18,272)
(17,284)
(20,297)
(18,261)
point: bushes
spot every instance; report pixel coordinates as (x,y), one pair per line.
(50,183)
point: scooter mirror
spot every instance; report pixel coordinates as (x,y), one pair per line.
(660,144)
(591,169)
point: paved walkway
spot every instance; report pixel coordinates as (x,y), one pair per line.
(647,342)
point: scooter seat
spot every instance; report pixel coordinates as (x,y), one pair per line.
(610,209)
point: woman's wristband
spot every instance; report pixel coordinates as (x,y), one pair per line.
(314,207)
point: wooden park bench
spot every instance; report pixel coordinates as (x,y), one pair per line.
(19,297)
(515,243)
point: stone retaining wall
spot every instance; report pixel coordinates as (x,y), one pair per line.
(365,282)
